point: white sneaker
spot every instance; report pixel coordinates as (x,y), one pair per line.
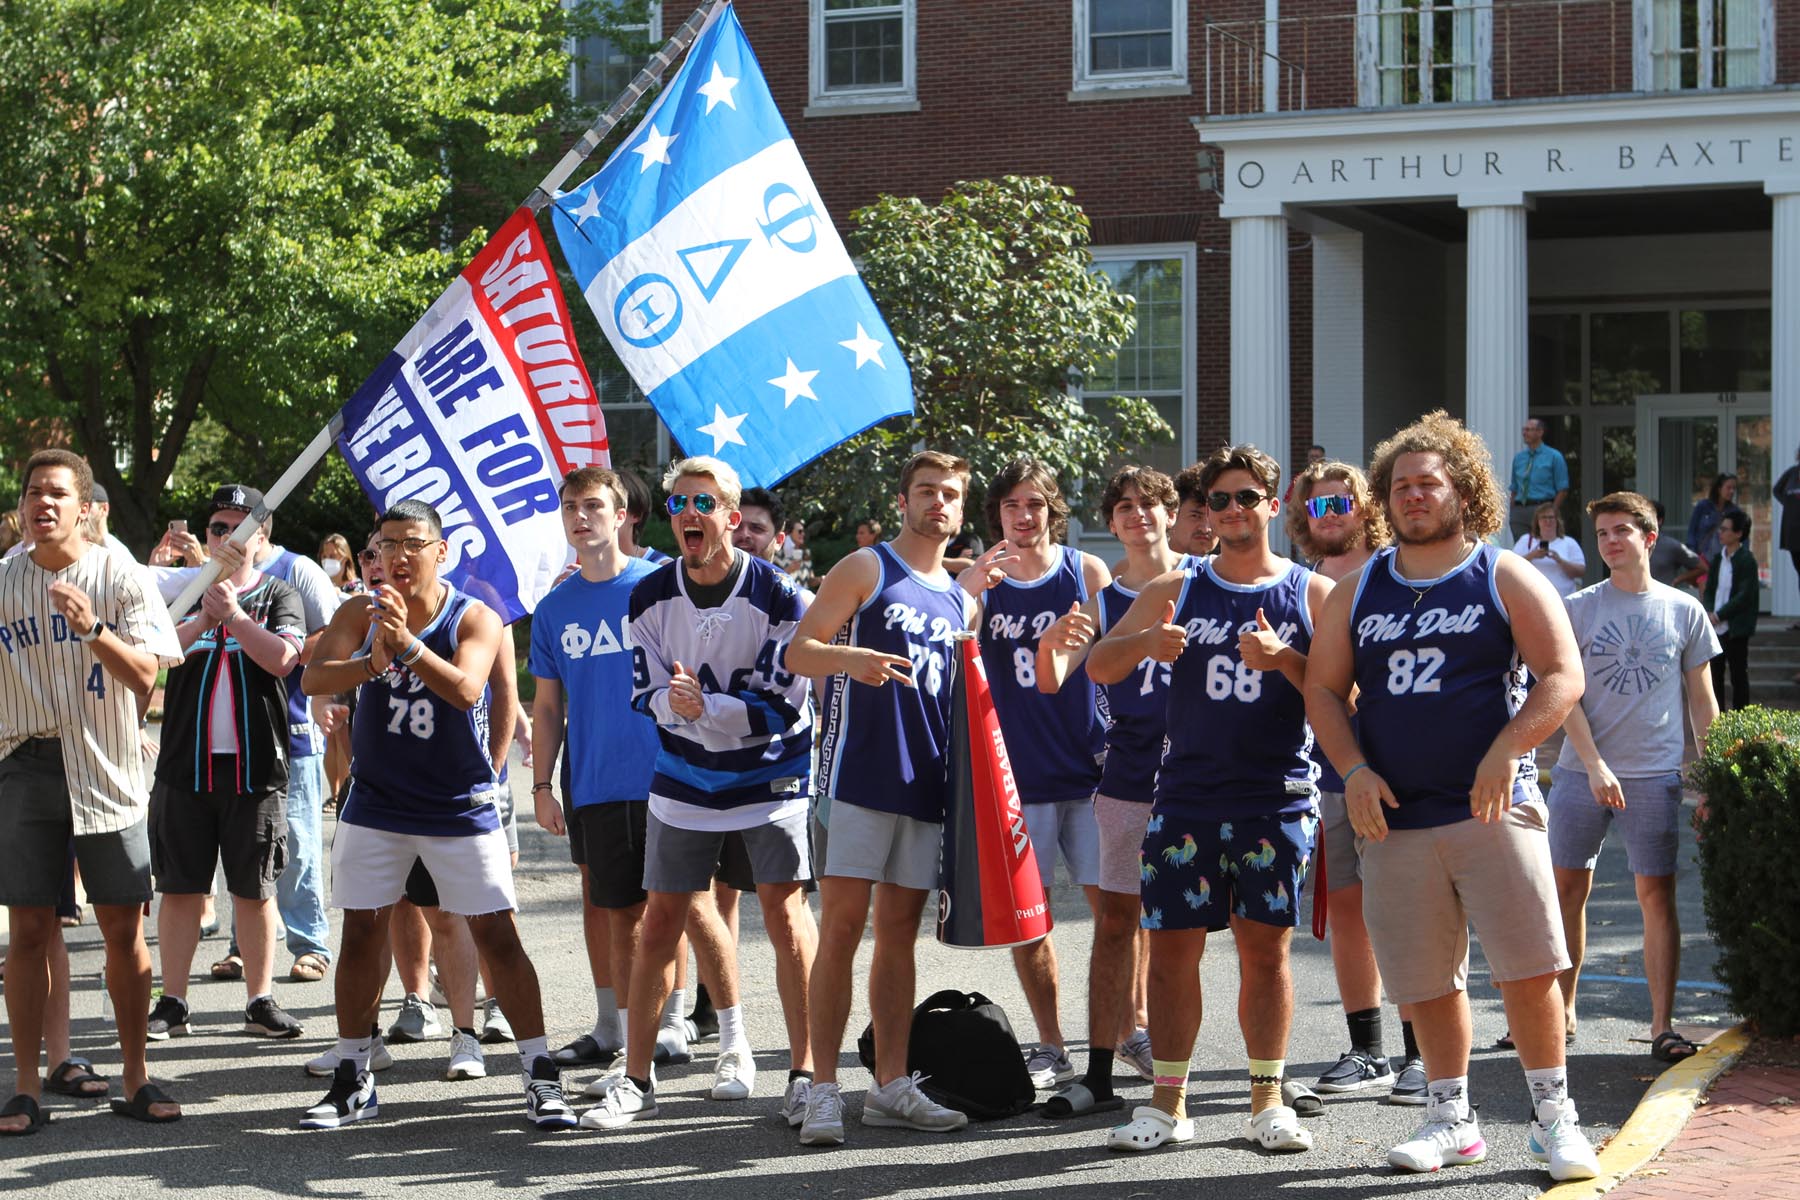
(1556,1139)
(735,1076)
(823,1122)
(465,1058)
(1440,1143)
(900,1104)
(793,1104)
(1278,1128)
(1049,1066)
(324,1066)
(597,1088)
(622,1105)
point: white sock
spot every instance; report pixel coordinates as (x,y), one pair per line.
(530,1050)
(1548,1083)
(1450,1098)
(606,1006)
(624,1024)
(259,996)
(731,1029)
(675,1011)
(356,1050)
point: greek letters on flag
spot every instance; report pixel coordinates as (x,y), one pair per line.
(480,411)
(714,268)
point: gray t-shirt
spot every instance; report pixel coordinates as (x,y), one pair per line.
(1634,648)
(1669,558)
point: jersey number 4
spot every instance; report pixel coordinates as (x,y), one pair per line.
(423,720)
(96,682)
(1415,672)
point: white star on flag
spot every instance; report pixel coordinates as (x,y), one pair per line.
(724,429)
(795,384)
(590,207)
(654,148)
(868,349)
(717,90)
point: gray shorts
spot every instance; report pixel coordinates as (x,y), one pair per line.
(1337,841)
(1120,825)
(883,847)
(1070,828)
(686,860)
(36,825)
(1650,822)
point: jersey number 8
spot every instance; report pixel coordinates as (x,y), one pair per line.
(1410,672)
(424,717)
(1226,677)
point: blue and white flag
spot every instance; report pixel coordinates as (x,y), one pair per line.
(713,266)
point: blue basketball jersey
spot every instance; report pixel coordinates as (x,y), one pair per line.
(1439,678)
(1056,742)
(419,764)
(888,748)
(1137,709)
(1239,745)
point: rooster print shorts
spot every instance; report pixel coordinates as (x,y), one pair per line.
(1199,874)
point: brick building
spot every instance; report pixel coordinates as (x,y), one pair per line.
(1336,214)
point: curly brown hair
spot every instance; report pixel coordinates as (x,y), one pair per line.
(1374,534)
(1466,461)
(1152,485)
(1039,476)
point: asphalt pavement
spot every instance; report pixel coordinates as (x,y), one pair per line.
(243,1096)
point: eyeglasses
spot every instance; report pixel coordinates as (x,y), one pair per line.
(1246,498)
(411,546)
(703,503)
(1318,506)
(221,529)
(370,555)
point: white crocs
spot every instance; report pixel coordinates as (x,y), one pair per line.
(1149,1128)
(1278,1128)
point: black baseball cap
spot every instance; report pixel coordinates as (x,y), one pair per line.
(236,498)
(99,496)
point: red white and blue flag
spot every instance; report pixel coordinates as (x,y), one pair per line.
(480,411)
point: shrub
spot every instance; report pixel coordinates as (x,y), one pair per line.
(1749,833)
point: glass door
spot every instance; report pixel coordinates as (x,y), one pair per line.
(1685,441)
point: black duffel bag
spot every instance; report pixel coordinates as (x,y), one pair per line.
(964,1046)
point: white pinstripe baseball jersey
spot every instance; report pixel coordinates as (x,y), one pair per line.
(53,686)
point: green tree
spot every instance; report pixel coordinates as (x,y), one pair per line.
(992,298)
(230,209)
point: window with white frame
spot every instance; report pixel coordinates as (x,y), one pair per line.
(863,55)
(1156,363)
(602,65)
(1681,45)
(1424,51)
(635,436)
(1130,45)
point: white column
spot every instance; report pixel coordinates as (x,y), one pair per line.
(1494,324)
(1337,342)
(1784,398)
(1259,334)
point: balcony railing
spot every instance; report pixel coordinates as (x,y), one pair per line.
(1419,54)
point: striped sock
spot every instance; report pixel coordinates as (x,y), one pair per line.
(1171,1087)
(1265,1083)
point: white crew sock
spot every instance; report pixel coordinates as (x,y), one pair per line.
(356,1050)
(530,1050)
(1450,1098)
(674,1013)
(606,1020)
(731,1029)
(624,1024)
(1548,1083)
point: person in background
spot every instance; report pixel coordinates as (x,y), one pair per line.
(637,509)
(1539,473)
(1787,494)
(338,564)
(868,532)
(11,533)
(1553,551)
(1709,510)
(962,551)
(1732,592)
(1671,561)
(1192,532)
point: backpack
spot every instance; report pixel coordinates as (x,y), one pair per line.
(964,1046)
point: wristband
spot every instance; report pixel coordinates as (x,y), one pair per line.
(412,653)
(542,787)
(1353,770)
(368,662)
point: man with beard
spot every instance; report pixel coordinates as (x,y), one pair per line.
(1233,822)
(883,630)
(1452,827)
(1336,526)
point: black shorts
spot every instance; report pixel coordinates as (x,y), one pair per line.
(36,827)
(421,888)
(65,902)
(734,864)
(608,839)
(192,831)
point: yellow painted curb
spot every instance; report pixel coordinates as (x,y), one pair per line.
(1659,1116)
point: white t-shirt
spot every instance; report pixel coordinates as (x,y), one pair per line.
(1724,593)
(1565,548)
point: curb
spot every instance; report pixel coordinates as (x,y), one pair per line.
(1659,1116)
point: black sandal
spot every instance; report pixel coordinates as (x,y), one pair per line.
(138,1107)
(1671,1047)
(584,1051)
(74,1085)
(23,1105)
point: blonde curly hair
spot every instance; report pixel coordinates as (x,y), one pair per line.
(1374,534)
(1466,460)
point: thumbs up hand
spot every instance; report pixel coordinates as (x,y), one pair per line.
(1261,648)
(1073,631)
(1167,640)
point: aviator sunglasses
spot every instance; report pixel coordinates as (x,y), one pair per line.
(703,503)
(1318,506)
(1246,497)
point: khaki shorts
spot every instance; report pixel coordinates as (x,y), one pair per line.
(1423,887)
